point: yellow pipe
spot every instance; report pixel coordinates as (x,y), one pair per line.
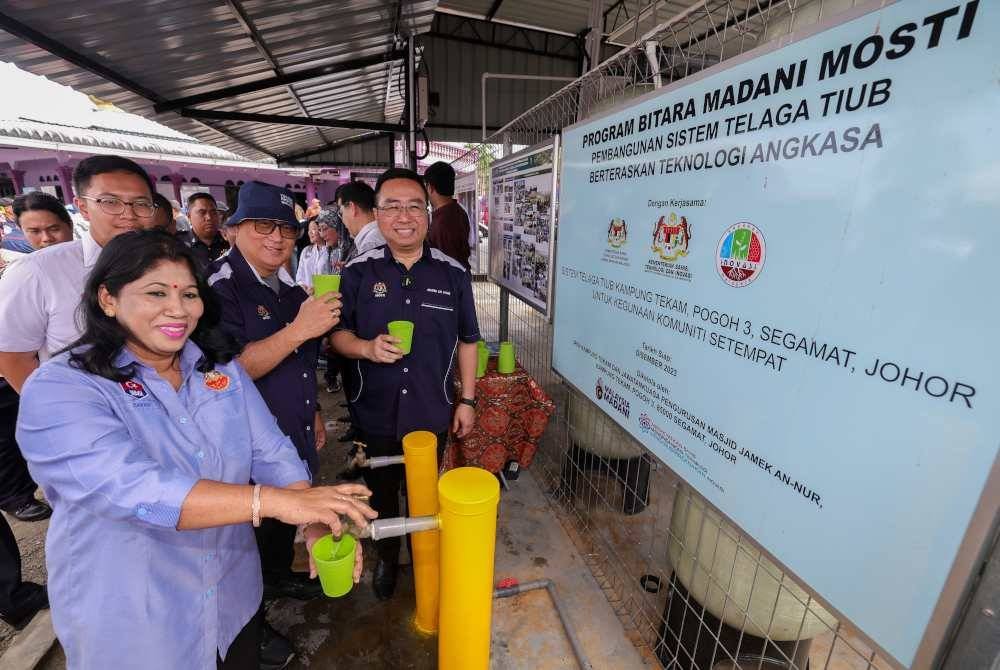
(468,498)
(420,452)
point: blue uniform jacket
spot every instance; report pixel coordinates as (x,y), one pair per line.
(252,311)
(416,392)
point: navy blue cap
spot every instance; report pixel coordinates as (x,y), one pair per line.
(258,200)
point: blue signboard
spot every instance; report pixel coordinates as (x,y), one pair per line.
(779,277)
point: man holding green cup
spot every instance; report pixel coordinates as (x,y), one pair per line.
(409,320)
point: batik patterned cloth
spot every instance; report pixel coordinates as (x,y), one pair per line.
(511,416)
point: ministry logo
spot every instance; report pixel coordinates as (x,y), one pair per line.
(617,233)
(740,255)
(599,390)
(671,237)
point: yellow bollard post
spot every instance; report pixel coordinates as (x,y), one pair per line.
(420,450)
(468,498)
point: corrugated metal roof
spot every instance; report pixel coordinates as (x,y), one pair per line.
(28,132)
(181,48)
(565,16)
(456,71)
(624,21)
(46,115)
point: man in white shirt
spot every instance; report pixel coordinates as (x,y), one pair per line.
(356,200)
(39,294)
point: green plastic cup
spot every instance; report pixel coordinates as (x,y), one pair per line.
(505,360)
(335,564)
(323,284)
(484,357)
(404,331)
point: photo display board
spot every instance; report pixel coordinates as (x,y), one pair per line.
(778,276)
(522,189)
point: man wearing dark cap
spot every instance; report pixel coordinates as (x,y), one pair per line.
(280,326)
(406,279)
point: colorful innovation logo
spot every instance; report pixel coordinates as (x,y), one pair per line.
(671,237)
(740,257)
(617,233)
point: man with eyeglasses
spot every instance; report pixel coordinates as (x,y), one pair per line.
(204,239)
(40,293)
(39,296)
(408,280)
(280,326)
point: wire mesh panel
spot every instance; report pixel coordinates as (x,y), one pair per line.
(692,590)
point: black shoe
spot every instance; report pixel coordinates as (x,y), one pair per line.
(296,585)
(351,435)
(384,579)
(32,510)
(36,601)
(276,651)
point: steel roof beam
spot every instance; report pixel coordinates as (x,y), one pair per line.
(236,7)
(493,9)
(60,50)
(279,80)
(363,139)
(218,115)
(554,44)
(56,48)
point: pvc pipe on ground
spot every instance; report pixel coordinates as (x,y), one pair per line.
(420,451)
(401,525)
(384,461)
(574,641)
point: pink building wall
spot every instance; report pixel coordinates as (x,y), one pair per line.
(44,171)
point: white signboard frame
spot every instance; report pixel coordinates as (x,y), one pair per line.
(928,473)
(522,203)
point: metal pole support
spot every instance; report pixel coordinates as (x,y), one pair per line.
(504,329)
(411,103)
(420,453)
(468,499)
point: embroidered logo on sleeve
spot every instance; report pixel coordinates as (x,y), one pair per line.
(216,380)
(379,290)
(263,313)
(133,388)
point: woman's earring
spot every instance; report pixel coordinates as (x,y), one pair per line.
(109,313)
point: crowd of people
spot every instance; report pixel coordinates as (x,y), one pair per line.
(161,387)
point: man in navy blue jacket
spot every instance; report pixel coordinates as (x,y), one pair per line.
(280,326)
(406,280)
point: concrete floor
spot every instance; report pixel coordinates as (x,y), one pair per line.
(359,632)
(31,542)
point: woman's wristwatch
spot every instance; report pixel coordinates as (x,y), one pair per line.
(471,402)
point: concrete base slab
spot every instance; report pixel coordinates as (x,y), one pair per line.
(527,632)
(360,632)
(30,645)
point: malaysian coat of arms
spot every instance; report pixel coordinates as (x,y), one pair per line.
(671,237)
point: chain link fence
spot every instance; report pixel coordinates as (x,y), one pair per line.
(692,590)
